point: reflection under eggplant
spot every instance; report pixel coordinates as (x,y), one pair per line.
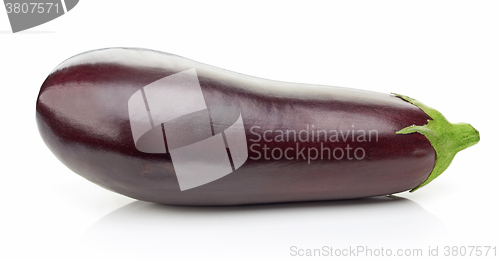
(388,221)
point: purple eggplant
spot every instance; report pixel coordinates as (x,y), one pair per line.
(162,128)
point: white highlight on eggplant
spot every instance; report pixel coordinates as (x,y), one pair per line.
(144,58)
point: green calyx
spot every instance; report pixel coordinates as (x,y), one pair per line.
(447,139)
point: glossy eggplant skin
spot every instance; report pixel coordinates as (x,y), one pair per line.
(83,116)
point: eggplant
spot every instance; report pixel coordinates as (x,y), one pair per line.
(162,128)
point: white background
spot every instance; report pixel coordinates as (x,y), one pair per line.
(444,53)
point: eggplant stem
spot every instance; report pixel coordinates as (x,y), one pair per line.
(446,138)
